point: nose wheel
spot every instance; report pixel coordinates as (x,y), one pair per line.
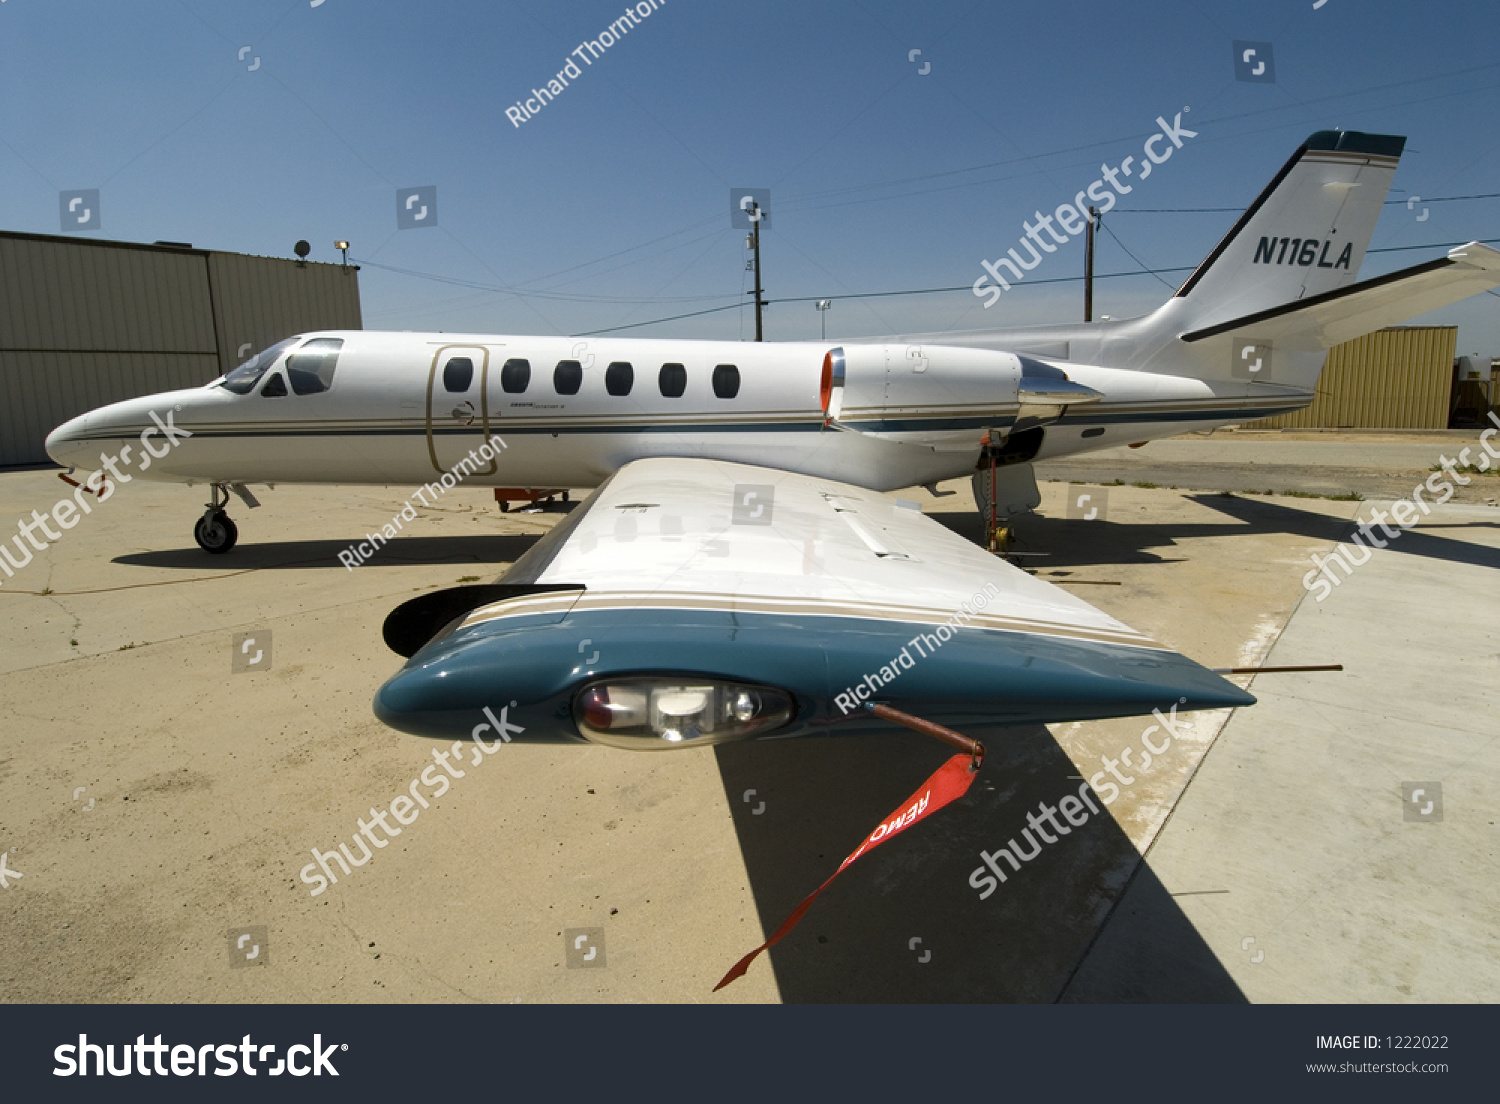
(215,532)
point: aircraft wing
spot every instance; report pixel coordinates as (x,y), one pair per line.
(743,588)
(1323,321)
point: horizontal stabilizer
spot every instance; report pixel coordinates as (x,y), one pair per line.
(1323,321)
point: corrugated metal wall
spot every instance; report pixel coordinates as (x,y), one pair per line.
(260,300)
(1399,378)
(86,322)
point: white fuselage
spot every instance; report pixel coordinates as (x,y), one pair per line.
(403,408)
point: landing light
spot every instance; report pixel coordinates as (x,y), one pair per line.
(657,714)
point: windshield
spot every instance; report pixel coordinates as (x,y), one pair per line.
(243,378)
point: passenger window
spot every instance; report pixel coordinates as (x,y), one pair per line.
(515,377)
(275,387)
(726,381)
(458,373)
(311,367)
(618,378)
(567,377)
(672,380)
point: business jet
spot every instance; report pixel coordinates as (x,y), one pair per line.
(738,571)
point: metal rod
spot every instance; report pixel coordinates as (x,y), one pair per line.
(1275,670)
(928,728)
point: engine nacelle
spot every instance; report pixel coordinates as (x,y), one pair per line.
(942,395)
(886,389)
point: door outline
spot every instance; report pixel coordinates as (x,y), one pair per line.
(484,404)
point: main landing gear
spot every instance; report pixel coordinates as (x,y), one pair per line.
(1005,488)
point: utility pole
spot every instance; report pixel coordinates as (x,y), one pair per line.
(823,305)
(1088,267)
(754,244)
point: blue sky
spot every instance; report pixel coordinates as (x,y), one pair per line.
(611,206)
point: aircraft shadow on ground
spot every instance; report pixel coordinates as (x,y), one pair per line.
(494,550)
(1070,542)
(1025,943)
(1414,542)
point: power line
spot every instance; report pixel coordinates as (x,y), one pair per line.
(1448,199)
(674,318)
(1236,210)
(1433,245)
(792,200)
(1144,270)
(1129,254)
(526,293)
(802,201)
(968,287)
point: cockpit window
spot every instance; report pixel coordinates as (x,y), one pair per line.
(311,367)
(275,387)
(244,378)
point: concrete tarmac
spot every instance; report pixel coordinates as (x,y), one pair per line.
(1373,465)
(1299,853)
(159,806)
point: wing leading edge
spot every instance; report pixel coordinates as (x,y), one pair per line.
(680,575)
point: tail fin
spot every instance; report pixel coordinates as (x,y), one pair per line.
(1279,290)
(1305,234)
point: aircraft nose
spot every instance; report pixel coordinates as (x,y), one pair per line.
(66,444)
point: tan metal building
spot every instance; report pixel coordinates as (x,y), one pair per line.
(85,322)
(1397,378)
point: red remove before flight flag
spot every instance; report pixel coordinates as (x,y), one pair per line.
(947,784)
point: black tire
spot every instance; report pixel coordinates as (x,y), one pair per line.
(565,497)
(504,506)
(215,533)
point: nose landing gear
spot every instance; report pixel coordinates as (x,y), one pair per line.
(214,532)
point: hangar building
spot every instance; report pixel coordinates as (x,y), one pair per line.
(85,322)
(1401,377)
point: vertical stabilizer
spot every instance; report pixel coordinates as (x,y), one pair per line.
(1305,234)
